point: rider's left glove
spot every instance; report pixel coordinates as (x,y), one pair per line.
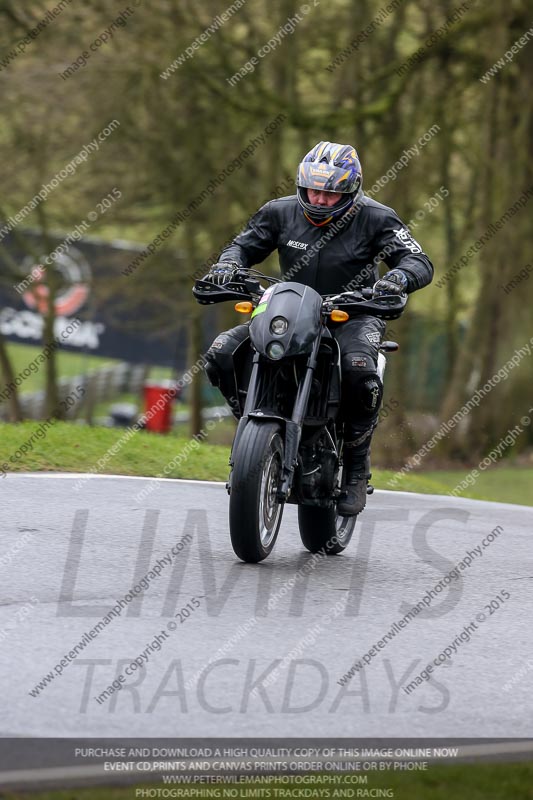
(221,273)
(393,282)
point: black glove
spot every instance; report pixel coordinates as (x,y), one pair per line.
(221,273)
(393,282)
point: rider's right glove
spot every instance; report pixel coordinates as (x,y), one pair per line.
(221,273)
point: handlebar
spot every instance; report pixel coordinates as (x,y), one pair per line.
(389,306)
(245,285)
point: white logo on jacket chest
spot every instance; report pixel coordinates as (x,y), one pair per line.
(298,245)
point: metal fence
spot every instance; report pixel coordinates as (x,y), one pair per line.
(105,383)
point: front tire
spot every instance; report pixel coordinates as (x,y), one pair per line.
(323,529)
(254,512)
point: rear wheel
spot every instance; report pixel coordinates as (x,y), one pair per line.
(254,512)
(324,529)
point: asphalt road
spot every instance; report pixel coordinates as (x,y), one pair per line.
(70,551)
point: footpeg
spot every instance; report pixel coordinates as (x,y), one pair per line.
(370,489)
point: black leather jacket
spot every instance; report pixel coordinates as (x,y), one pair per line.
(340,256)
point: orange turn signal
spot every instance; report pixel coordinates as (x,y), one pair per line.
(339,316)
(243,308)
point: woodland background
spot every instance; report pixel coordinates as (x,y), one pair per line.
(420,65)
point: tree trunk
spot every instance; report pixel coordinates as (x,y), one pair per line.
(195,391)
(52,408)
(8,375)
(195,343)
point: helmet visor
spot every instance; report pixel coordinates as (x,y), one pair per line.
(327,178)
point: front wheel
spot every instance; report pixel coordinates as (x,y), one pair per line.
(254,511)
(323,529)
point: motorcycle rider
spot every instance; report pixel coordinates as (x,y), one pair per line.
(329,236)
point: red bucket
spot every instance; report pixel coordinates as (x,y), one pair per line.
(158,399)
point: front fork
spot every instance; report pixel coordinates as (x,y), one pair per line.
(293,426)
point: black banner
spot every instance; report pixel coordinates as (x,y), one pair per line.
(95,293)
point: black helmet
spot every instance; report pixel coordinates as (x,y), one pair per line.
(329,167)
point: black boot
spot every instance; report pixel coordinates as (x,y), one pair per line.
(354,484)
(355,476)
(225,382)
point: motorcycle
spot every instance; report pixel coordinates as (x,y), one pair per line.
(288,443)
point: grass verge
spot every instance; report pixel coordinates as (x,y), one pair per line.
(76,448)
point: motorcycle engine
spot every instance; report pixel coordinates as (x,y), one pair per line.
(316,475)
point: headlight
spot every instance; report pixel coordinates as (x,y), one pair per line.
(275,350)
(279,326)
